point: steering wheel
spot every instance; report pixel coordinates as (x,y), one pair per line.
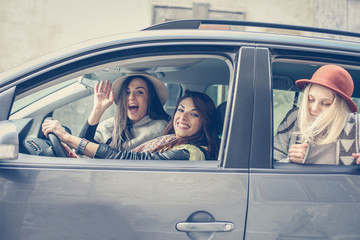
(57,148)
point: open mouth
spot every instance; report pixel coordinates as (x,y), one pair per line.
(133,108)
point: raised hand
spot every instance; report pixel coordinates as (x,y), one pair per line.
(103,99)
(103,96)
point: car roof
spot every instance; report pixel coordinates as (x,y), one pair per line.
(155,35)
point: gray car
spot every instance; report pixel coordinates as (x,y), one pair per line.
(243,194)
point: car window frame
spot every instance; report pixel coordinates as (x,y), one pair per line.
(320,56)
(54,74)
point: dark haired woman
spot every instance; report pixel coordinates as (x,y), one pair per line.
(191,135)
(139,117)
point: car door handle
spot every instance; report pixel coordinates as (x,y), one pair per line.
(205,226)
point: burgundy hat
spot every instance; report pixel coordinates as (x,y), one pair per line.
(334,78)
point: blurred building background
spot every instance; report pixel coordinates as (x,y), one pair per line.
(32,28)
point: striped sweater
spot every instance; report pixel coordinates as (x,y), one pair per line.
(347,143)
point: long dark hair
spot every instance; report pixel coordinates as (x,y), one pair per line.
(207,136)
(122,123)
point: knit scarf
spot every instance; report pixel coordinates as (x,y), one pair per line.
(150,146)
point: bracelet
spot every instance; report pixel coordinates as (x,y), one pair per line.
(80,149)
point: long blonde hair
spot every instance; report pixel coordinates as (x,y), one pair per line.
(326,128)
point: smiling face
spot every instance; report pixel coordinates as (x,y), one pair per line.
(137,100)
(187,121)
(320,98)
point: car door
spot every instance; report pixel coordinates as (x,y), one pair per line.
(44,197)
(296,201)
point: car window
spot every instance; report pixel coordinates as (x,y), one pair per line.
(218,93)
(175,91)
(283,101)
(70,100)
(73,115)
(38,95)
(287,97)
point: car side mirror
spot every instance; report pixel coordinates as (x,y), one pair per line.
(9,141)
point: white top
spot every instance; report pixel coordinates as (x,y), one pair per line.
(144,130)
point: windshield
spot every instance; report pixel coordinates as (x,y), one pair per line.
(32,98)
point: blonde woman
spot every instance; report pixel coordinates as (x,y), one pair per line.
(325,127)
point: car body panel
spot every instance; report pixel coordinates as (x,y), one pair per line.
(296,201)
(107,201)
(322,205)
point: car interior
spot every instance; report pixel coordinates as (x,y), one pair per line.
(69,99)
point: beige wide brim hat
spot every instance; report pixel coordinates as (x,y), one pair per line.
(160,88)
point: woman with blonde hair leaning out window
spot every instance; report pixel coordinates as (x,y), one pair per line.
(325,127)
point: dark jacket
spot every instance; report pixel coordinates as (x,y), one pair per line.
(182,152)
